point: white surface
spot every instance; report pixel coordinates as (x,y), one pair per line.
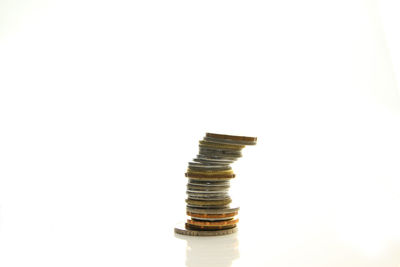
(102,105)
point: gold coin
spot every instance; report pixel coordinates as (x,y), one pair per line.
(210,172)
(221,146)
(209,202)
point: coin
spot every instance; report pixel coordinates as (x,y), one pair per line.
(207,194)
(211,172)
(213,223)
(212,216)
(219,145)
(207,188)
(208,202)
(193,166)
(181,229)
(211,219)
(220,152)
(232,137)
(208,227)
(208,184)
(213,162)
(208,198)
(209,176)
(212,211)
(216,207)
(227,141)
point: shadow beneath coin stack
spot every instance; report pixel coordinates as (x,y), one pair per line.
(211,251)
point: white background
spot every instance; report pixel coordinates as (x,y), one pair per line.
(102,104)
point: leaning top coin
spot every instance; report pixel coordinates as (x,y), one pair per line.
(232,137)
(241,139)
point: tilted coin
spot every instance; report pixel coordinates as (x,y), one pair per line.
(216,157)
(227,141)
(213,162)
(203,167)
(232,137)
(220,152)
(219,145)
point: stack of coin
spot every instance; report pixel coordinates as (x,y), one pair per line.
(209,174)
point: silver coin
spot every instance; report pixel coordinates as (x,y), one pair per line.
(216,157)
(213,162)
(232,150)
(208,189)
(220,152)
(208,195)
(207,183)
(211,189)
(202,167)
(211,211)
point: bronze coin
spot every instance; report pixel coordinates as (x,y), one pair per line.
(209,176)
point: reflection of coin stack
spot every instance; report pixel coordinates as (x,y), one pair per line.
(208,202)
(218,251)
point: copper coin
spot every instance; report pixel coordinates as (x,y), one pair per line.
(212,223)
(212,216)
